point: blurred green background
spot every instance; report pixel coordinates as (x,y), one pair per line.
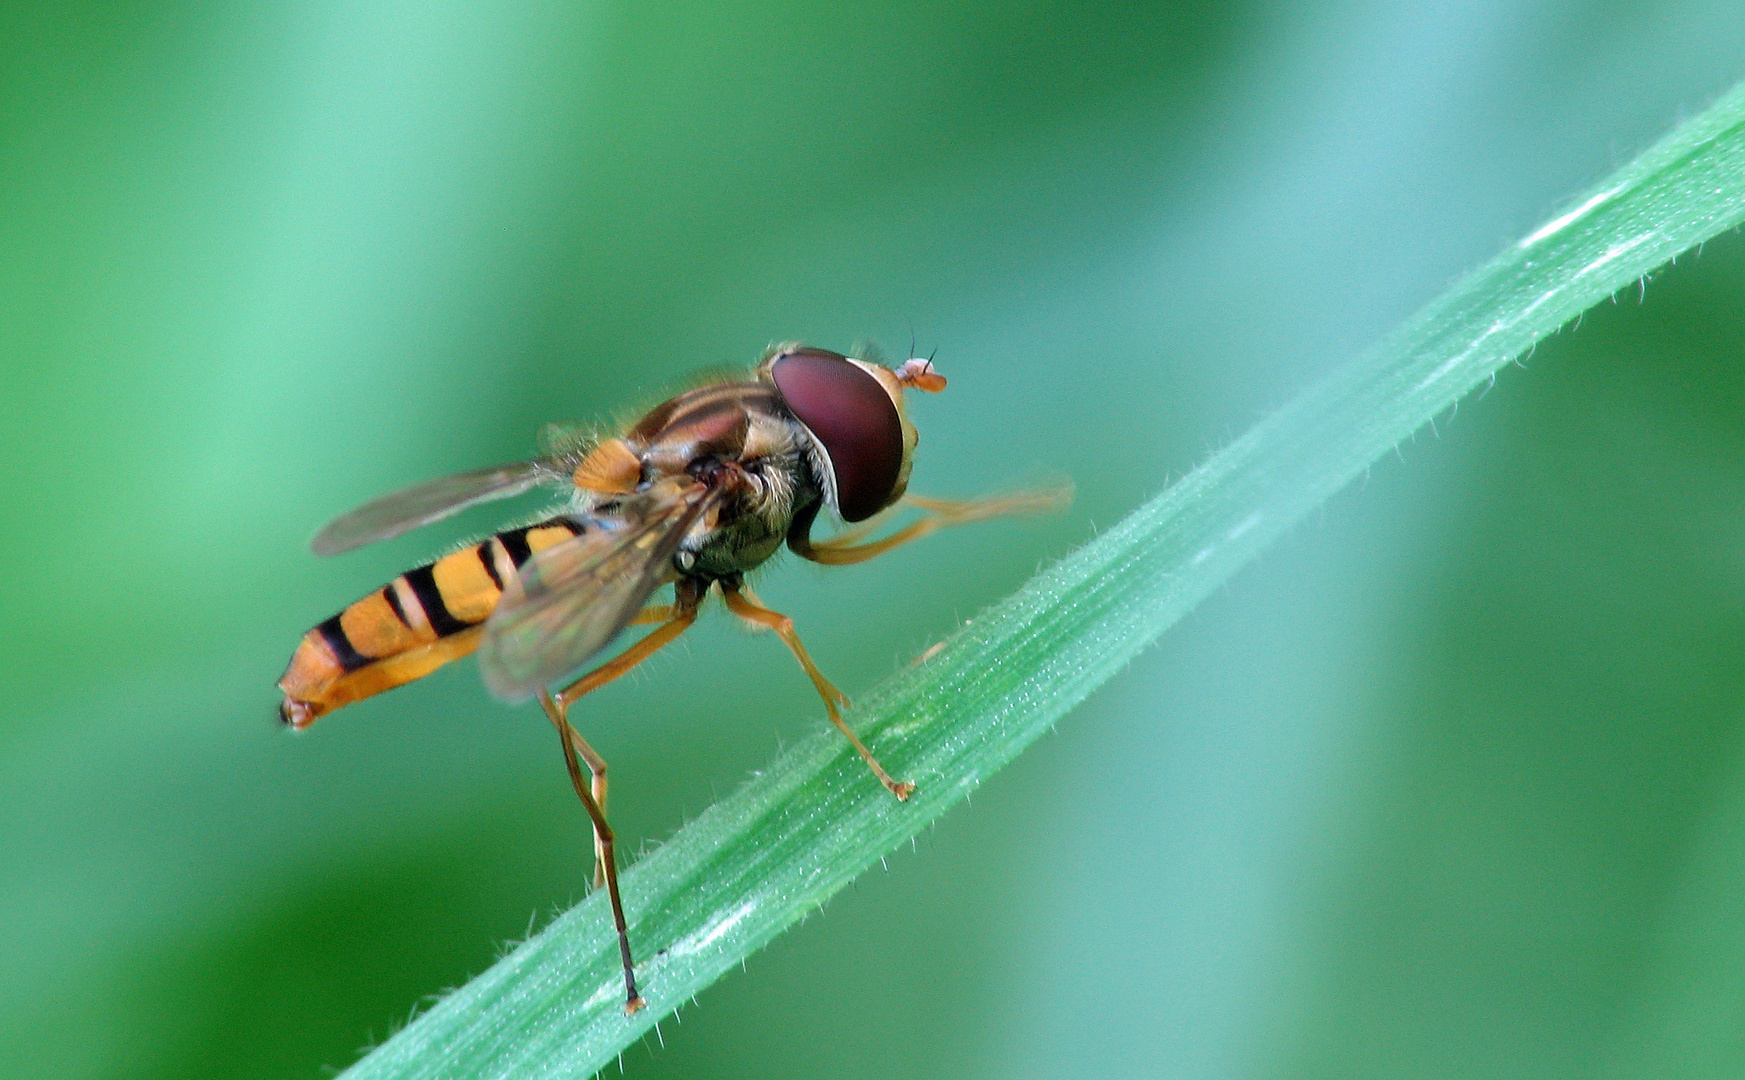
(1451,784)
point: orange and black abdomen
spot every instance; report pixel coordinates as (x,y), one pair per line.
(410,627)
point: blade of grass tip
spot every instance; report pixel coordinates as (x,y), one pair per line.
(757,861)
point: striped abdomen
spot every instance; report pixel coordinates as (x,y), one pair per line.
(415,624)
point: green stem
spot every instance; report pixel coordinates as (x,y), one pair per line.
(785,842)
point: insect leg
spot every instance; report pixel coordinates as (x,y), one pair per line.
(596,763)
(677,618)
(674,620)
(682,618)
(843,549)
(603,836)
(597,773)
(854,534)
(653,614)
(743,603)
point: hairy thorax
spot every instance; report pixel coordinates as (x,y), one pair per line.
(749,528)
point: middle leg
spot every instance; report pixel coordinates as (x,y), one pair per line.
(743,603)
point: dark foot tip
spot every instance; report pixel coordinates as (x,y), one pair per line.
(634,1005)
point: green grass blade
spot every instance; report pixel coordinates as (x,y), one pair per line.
(785,842)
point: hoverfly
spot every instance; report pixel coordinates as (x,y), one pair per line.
(701,490)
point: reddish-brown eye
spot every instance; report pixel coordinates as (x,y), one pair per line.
(850,413)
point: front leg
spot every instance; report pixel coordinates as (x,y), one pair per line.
(847,547)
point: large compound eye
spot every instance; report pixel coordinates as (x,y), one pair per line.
(850,413)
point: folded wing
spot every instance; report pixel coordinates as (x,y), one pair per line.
(568,601)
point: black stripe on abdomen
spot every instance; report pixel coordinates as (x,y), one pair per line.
(489,562)
(340,645)
(392,596)
(423,582)
(515,545)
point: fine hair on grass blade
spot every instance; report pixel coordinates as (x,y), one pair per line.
(778,847)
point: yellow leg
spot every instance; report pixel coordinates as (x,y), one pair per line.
(856,533)
(603,837)
(743,603)
(844,548)
(620,665)
(596,763)
(677,619)
(653,614)
(674,620)
(597,783)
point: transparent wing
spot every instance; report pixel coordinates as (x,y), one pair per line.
(421,504)
(569,600)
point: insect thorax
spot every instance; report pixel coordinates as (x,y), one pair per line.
(752,526)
